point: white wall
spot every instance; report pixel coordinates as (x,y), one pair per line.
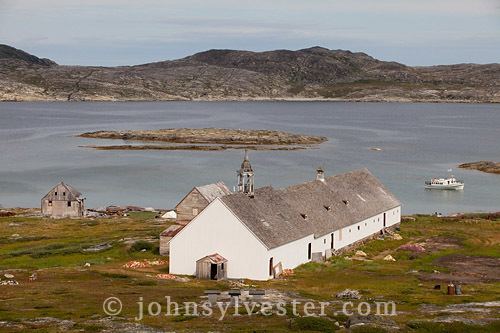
(217,230)
(292,254)
(351,234)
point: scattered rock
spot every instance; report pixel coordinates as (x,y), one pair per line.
(8,276)
(9,283)
(87,264)
(98,247)
(349,294)
(360,253)
(412,247)
(389,258)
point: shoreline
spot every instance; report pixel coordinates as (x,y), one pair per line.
(259,99)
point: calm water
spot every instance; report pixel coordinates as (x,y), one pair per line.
(38,148)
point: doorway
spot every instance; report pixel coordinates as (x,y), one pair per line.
(384,220)
(213,271)
(331,241)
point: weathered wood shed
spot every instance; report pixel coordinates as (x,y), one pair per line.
(212,267)
(197,199)
(166,236)
(63,201)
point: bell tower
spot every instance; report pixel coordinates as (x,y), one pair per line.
(245,177)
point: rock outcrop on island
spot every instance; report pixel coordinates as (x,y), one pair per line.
(313,73)
(484,166)
(207,139)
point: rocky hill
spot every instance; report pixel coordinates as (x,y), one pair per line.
(313,73)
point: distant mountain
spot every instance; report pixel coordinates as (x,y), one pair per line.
(313,73)
(8,52)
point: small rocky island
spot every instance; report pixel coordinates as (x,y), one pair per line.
(484,166)
(206,139)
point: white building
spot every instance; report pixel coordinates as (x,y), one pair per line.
(260,232)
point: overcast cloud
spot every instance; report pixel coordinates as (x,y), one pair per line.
(112,32)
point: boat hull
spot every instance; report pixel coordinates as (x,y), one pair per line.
(445,187)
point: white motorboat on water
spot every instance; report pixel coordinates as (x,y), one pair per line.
(450,183)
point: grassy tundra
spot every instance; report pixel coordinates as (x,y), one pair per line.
(67,294)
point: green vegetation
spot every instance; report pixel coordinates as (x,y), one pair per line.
(68,289)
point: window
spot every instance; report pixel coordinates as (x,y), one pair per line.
(222,266)
(324,241)
(50,202)
(365,224)
(271,266)
(349,230)
(55,193)
(358,227)
(309,251)
(195,211)
(64,193)
(69,203)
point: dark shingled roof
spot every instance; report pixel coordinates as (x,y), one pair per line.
(279,216)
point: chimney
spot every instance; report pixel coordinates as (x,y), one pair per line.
(320,174)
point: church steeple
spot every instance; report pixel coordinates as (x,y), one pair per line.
(245,177)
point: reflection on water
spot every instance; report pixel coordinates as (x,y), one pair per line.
(38,148)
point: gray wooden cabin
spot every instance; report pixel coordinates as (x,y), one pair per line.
(197,199)
(63,201)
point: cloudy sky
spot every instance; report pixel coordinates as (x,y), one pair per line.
(112,32)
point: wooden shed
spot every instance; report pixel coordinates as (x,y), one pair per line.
(212,267)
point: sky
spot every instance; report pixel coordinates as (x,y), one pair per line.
(127,32)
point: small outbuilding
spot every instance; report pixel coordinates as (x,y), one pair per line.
(63,201)
(166,236)
(212,267)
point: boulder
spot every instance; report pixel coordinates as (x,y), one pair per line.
(389,258)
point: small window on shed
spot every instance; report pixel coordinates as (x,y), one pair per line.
(69,203)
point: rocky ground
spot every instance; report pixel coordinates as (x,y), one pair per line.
(207,139)
(485,166)
(309,74)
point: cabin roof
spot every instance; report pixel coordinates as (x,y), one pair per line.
(213,259)
(71,193)
(280,216)
(212,191)
(172,230)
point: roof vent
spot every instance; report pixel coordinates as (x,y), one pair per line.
(328,208)
(304,216)
(346,202)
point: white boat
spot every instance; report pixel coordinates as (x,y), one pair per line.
(450,183)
